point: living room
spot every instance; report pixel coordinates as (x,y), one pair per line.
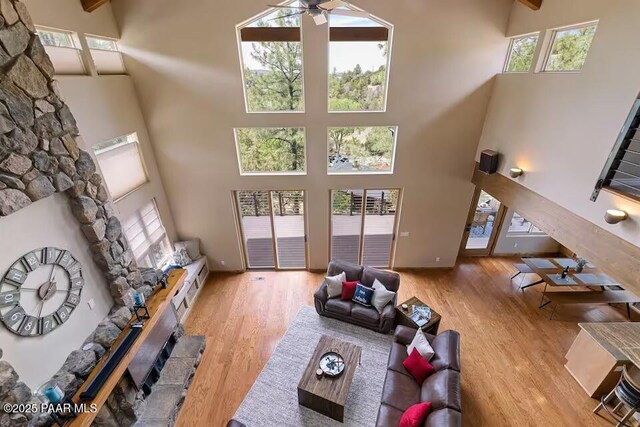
(319,212)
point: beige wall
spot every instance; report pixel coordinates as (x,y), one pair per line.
(105,107)
(560,128)
(184,61)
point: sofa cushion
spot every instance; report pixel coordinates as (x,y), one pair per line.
(400,391)
(353,271)
(442,389)
(446,346)
(363,295)
(418,366)
(339,307)
(443,418)
(388,416)
(415,415)
(334,284)
(368,314)
(389,279)
(348,289)
(397,355)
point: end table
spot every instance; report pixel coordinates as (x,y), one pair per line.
(402,317)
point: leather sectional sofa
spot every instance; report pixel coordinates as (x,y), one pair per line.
(442,388)
(350,312)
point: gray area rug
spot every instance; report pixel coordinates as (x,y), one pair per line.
(273,399)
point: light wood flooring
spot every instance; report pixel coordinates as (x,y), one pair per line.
(512,355)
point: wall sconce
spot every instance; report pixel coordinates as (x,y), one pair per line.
(614,216)
(515,172)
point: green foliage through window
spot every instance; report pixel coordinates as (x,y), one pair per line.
(361,149)
(521,54)
(271,150)
(570,48)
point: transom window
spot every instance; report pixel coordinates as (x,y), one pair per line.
(359,58)
(271,151)
(271,56)
(63,48)
(521,52)
(106,55)
(362,150)
(569,48)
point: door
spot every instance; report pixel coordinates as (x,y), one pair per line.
(363,226)
(273,230)
(482,226)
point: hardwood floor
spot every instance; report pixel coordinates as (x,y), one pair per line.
(512,355)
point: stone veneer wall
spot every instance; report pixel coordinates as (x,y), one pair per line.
(40,154)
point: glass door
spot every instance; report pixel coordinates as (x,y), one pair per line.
(363,224)
(272,225)
(481,230)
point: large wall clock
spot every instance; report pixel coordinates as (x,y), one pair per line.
(40,291)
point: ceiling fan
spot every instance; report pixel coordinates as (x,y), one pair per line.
(320,9)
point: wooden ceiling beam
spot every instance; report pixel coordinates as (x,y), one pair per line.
(532,4)
(91,5)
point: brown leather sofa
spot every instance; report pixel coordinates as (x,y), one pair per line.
(351,312)
(442,388)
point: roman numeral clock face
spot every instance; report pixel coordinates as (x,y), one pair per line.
(40,291)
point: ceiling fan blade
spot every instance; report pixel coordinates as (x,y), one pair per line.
(350,12)
(286,16)
(332,4)
(320,19)
(286,7)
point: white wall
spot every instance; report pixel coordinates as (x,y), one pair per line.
(521,244)
(560,128)
(184,61)
(105,107)
(49,222)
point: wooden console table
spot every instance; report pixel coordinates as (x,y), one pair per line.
(157,304)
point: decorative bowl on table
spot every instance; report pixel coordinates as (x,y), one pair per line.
(332,364)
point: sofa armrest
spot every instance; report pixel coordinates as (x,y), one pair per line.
(322,294)
(388,317)
(404,335)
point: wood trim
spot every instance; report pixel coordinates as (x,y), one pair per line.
(613,255)
(336,34)
(91,5)
(532,4)
(270,34)
(157,304)
(359,34)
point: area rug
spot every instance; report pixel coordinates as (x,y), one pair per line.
(273,399)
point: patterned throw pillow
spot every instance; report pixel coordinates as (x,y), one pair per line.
(192,247)
(181,257)
(363,295)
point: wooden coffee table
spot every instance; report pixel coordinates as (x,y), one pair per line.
(328,395)
(402,317)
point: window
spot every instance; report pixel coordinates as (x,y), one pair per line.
(106,55)
(519,226)
(361,150)
(63,47)
(569,48)
(147,237)
(271,59)
(521,52)
(359,58)
(621,172)
(121,164)
(271,151)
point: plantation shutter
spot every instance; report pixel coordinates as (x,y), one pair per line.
(143,231)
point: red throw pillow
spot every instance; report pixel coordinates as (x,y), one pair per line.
(348,289)
(418,366)
(415,415)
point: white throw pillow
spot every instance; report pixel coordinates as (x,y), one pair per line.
(381,296)
(422,345)
(334,284)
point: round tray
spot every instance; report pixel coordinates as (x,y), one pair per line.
(332,364)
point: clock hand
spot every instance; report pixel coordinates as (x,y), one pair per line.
(41,307)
